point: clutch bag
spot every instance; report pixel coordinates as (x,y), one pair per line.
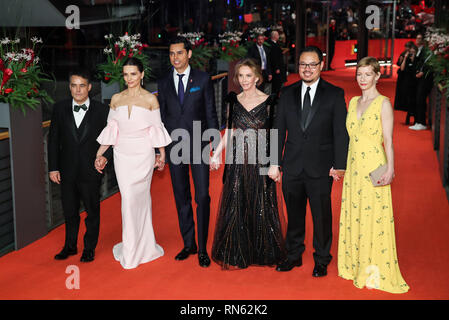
(375,175)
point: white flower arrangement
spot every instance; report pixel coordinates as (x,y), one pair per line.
(193,37)
(229,37)
(256,31)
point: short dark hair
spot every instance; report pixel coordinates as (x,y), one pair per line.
(134,62)
(413,46)
(81,72)
(312,49)
(180,39)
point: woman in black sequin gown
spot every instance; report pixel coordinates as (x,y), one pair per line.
(249,227)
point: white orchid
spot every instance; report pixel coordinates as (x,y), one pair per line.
(36,40)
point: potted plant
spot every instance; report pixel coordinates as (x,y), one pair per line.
(230,49)
(201,51)
(21,112)
(438,42)
(21,75)
(118,50)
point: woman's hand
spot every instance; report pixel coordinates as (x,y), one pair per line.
(160,162)
(214,163)
(274,173)
(100,163)
(386,178)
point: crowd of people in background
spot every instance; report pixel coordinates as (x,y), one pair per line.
(414,83)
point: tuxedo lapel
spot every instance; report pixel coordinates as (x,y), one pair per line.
(298,102)
(171,85)
(316,102)
(85,125)
(190,83)
(70,120)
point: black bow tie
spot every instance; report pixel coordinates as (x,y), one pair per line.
(77,108)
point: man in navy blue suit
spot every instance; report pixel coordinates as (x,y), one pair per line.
(186,99)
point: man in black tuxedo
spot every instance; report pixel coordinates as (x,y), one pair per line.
(278,68)
(313,113)
(72,147)
(261,54)
(186,96)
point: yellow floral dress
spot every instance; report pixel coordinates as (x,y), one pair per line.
(367,246)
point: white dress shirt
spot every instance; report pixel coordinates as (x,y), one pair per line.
(185,79)
(311,92)
(79,116)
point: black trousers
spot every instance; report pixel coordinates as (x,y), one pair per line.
(180,178)
(276,83)
(72,193)
(297,190)
(423,89)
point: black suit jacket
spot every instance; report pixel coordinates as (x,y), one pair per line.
(253,53)
(199,103)
(323,142)
(277,60)
(71,150)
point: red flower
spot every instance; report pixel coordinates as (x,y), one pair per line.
(229,53)
(236,45)
(107,78)
(9,90)
(223,48)
(2,65)
(6,76)
(32,58)
(130,55)
(24,70)
(122,54)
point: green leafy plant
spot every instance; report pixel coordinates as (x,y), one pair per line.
(21,75)
(231,48)
(438,41)
(117,52)
(202,52)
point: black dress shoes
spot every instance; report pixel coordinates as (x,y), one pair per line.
(287,265)
(87,256)
(185,253)
(320,270)
(203,259)
(65,253)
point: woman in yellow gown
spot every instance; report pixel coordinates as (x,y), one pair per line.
(367,245)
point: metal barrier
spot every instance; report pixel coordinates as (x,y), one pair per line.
(54,210)
(439,120)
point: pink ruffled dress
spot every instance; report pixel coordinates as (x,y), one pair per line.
(134,138)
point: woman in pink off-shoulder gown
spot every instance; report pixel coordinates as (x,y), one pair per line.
(134,130)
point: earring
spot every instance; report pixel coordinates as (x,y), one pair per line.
(141,82)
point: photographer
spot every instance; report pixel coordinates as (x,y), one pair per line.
(408,70)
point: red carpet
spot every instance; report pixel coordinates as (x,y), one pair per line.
(422,228)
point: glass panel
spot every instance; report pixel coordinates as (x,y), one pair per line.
(317,21)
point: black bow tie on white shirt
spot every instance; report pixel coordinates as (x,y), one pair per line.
(77,108)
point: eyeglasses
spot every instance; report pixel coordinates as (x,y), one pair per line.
(312,66)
